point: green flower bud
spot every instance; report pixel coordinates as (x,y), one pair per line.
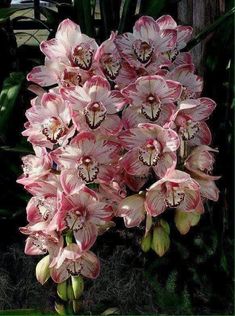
(60,309)
(77,285)
(161,240)
(62,290)
(76,306)
(185,220)
(70,294)
(42,270)
(146,242)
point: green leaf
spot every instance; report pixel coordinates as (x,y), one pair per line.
(128,12)
(8,97)
(84,17)
(152,8)
(110,15)
(5,13)
(197,39)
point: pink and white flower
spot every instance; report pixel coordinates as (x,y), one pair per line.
(88,154)
(72,262)
(189,120)
(94,106)
(200,165)
(153,96)
(143,47)
(176,190)
(48,121)
(149,146)
(83,213)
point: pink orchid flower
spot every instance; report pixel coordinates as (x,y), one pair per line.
(35,167)
(56,72)
(83,213)
(87,153)
(143,47)
(132,210)
(149,146)
(109,58)
(72,262)
(184,33)
(94,106)
(176,190)
(48,121)
(153,96)
(189,120)
(200,164)
(70,46)
(192,84)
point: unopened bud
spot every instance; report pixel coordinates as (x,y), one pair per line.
(70,294)
(77,285)
(76,306)
(161,240)
(185,220)
(62,290)
(60,309)
(146,242)
(42,270)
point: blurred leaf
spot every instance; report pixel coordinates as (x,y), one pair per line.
(197,39)
(17,149)
(52,17)
(152,8)
(83,15)
(128,12)
(110,15)
(8,97)
(5,13)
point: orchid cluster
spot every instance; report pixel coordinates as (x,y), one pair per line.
(118,130)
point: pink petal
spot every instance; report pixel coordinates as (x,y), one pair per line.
(43,76)
(166,22)
(145,28)
(209,189)
(202,137)
(132,210)
(60,274)
(192,196)
(97,87)
(67,33)
(132,164)
(70,181)
(166,164)
(155,200)
(53,49)
(111,125)
(86,236)
(90,265)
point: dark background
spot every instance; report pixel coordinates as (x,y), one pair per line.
(196,275)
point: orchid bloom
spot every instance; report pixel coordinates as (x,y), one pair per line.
(176,190)
(94,106)
(88,154)
(189,120)
(48,121)
(83,213)
(166,22)
(72,262)
(153,97)
(132,210)
(149,146)
(142,49)
(200,164)
(191,83)
(35,167)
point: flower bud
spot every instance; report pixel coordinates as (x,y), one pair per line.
(70,294)
(42,270)
(146,242)
(60,309)
(62,290)
(161,240)
(184,220)
(76,306)
(77,286)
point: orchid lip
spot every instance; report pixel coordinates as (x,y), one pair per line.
(174,198)
(88,169)
(111,66)
(82,57)
(95,114)
(53,129)
(74,268)
(189,131)
(143,51)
